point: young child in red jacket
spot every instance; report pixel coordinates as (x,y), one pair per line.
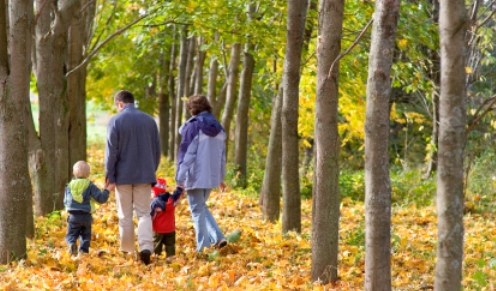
(163,220)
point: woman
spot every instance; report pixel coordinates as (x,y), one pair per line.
(201,167)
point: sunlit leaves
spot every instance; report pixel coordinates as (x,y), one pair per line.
(262,259)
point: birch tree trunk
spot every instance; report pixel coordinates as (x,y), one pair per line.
(291,212)
(453,25)
(231,95)
(14,175)
(325,202)
(377,180)
(241,130)
(173,98)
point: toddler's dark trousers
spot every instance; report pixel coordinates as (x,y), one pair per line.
(167,239)
(79,226)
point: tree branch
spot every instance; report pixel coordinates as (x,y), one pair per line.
(350,48)
(98,47)
(86,5)
(38,13)
(485,20)
(477,117)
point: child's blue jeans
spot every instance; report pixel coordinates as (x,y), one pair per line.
(79,226)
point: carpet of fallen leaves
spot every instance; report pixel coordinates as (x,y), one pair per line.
(263,259)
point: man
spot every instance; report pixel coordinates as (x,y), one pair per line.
(132,156)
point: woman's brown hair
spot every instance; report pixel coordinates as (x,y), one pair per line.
(197,104)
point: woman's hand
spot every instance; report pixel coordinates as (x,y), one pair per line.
(222,187)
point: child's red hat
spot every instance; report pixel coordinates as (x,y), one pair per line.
(159,188)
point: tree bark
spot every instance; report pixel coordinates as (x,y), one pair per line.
(241,130)
(326,201)
(271,189)
(66,10)
(173,98)
(200,63)
(453,25)
(377,180)
(14,174)
(42,160)
(309,27)
(231,95)
(31,136)
(220,101)
(188,84)
(212,78)
(183,57)
(291,212)
(164,104)
(75,96)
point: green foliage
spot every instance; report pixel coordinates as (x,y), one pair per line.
(407,188)
(352,185)
(481,182)
(411,188)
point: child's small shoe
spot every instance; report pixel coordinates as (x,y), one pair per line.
(170,259)
(73,249)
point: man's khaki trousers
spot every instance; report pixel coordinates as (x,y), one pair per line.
(137,195)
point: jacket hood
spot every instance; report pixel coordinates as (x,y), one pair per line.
(208,124)
(77,187)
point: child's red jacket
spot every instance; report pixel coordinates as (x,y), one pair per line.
(163,221)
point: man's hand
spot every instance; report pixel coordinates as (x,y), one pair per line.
(222,187)
(110,186)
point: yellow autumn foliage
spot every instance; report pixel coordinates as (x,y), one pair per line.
(263,258)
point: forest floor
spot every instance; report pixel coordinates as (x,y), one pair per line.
(263,258)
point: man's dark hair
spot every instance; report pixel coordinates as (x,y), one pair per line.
(197,104)
(124,97)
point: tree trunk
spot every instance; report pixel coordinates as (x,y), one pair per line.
(212,78)
(231,95)
(377,181)
(164,106)
(77,102)
(241,130)
(173,98)
(66,11)
(221,100)
(200,63)
(274,102)
(309,27)
(183,57)
(325,203)
(291,211)
(42,161)
(271,189)
(31,136)
(14,175)
(453,25)
(188,84)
